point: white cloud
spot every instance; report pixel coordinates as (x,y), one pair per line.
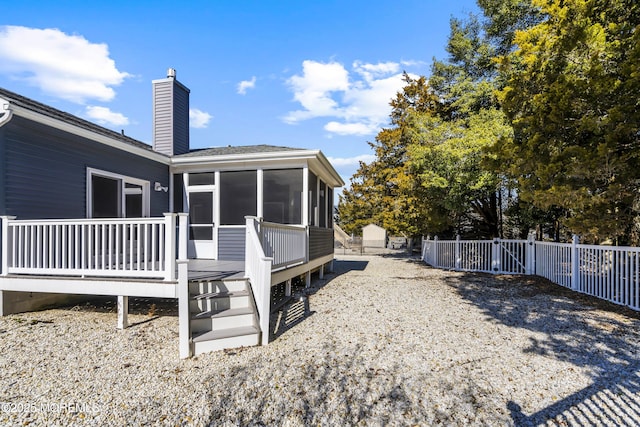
(105,116)
(351,161)
(370,71)
(199,119)
(244,85)
(62,65)
(313,90)
(350,128)
(356,100)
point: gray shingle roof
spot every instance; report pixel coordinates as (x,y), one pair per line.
(46,110)
(231,150)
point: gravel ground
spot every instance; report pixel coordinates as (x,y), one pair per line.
(384,341)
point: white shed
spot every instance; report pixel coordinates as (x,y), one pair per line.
(374,236)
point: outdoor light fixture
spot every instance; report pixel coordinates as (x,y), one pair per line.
(158,187)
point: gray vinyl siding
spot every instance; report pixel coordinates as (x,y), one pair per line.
(320,242)
(163,117)
(231,243)
(180,120)
(45,171)
(170,117)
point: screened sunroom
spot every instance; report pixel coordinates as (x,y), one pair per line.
(220,187)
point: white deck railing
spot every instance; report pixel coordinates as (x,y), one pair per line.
(286,244)
(128,247)
(611,273)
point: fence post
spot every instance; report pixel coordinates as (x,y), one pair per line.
(496,256)
(458,252)
(435,252)
(6,240)
(530,260)
(575,263)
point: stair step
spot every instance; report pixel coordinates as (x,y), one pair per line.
(219,304)
(217,314)
(210,286)
(226,333)
(225,343)
(212,295)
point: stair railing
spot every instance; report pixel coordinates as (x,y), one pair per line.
(258,270)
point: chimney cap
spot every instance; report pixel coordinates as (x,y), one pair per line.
(171,73)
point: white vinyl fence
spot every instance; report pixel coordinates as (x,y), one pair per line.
(611,273)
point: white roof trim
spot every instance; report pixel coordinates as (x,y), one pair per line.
(269,155)
(315,156)
(5,111)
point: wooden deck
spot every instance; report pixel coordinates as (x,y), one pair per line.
(211,269)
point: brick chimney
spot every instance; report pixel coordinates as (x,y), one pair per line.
(170,115)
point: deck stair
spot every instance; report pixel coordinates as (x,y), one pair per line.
(223,315)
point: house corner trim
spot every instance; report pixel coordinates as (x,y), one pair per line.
(5,111)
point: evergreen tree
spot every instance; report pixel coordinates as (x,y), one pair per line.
(572,93)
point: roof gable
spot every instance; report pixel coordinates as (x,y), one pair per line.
(45,110)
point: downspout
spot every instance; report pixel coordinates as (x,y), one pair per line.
(5,112)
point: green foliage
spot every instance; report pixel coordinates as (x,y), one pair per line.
(572,92)
(535,115)
(505,17)
(428,176)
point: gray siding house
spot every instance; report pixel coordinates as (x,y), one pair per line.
(89,211)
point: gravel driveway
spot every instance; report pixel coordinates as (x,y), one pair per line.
(384,341)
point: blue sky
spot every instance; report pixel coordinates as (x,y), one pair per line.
(308,74)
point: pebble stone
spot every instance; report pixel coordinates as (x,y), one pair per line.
(383,341)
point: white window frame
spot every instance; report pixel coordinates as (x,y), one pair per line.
(124,179)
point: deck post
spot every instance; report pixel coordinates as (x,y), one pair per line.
(169,246)
(307,279)
(184,317)
(5,244)
(287,288)
(182,235)
(184,321)
(123,312)
(321,272)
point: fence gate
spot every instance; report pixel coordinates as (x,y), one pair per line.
(512,256)
(498,256)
